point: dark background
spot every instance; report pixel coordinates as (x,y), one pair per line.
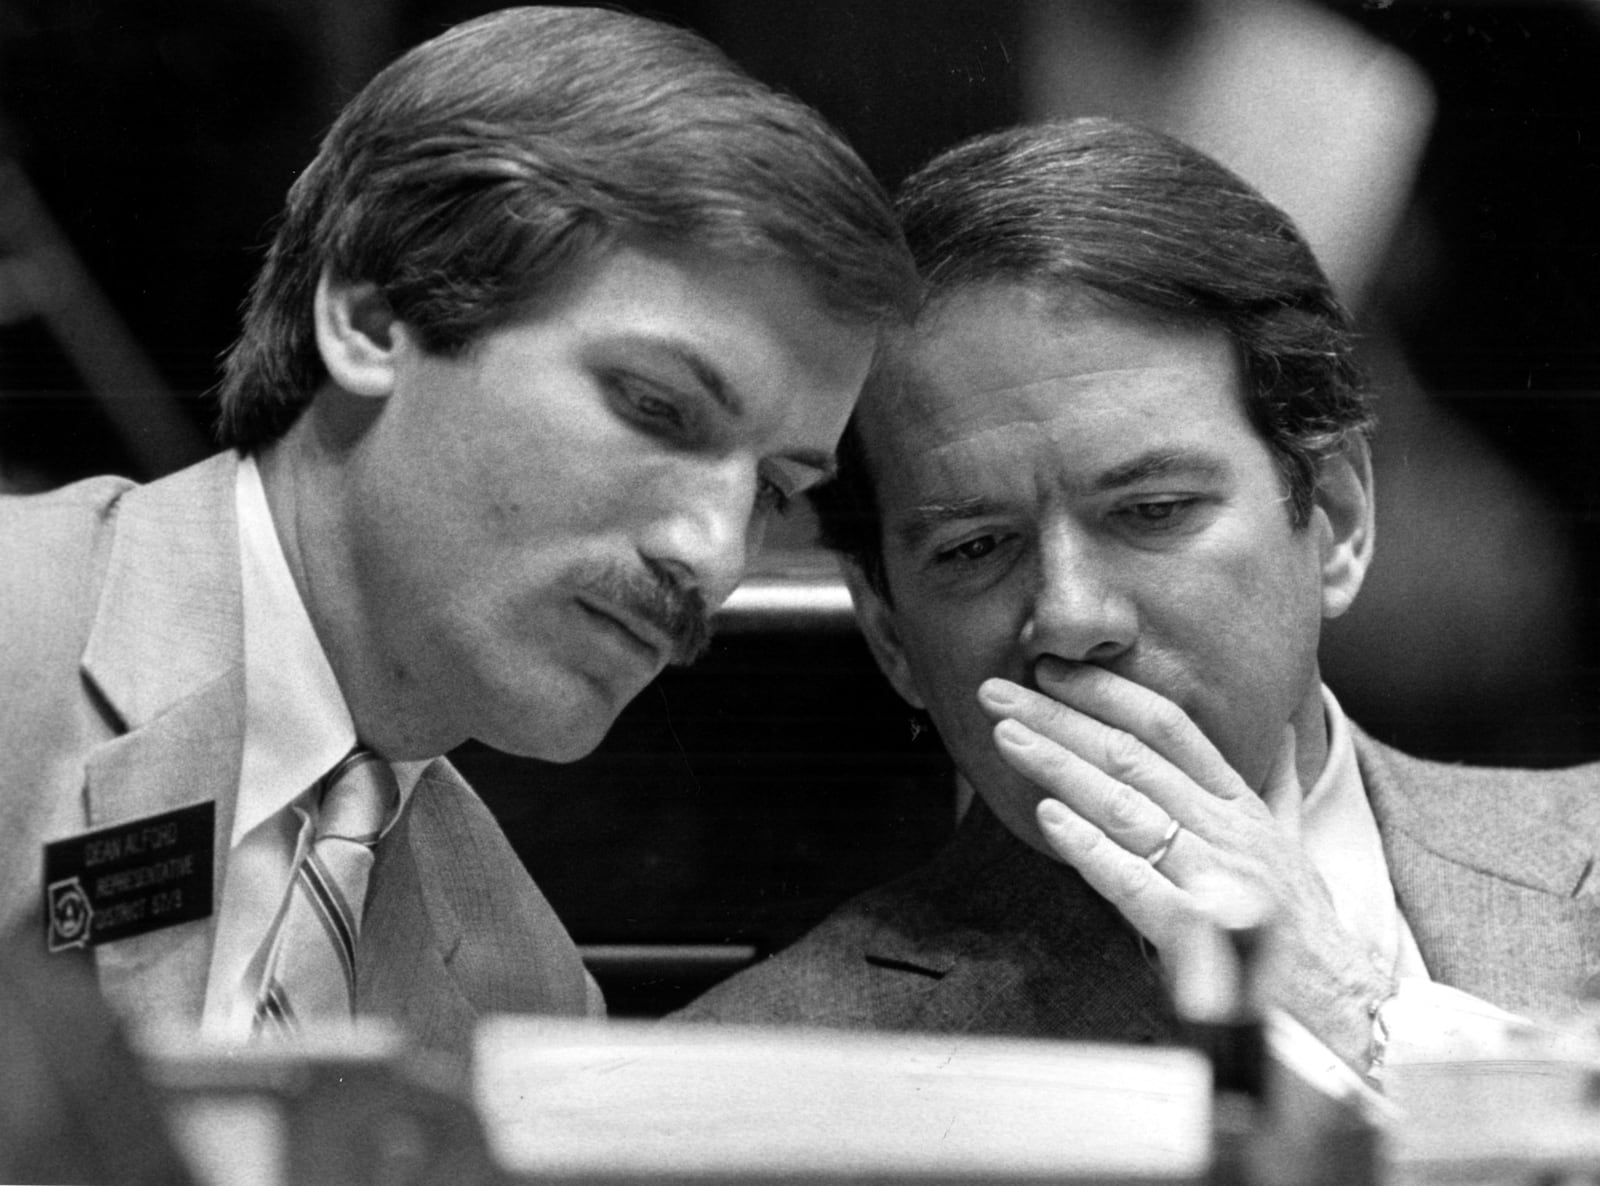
(147,145)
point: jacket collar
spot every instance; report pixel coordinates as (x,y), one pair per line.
(1003,915)
(1475,817)
(1003,939)
(410,934)
(168,622)
(166,655)
(1494,870)
(982,857)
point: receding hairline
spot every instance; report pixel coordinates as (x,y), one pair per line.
(1058,297)
(1054,300)
(896,380)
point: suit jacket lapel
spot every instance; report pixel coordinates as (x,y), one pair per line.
(1500,890)
(1016,943)
(407,936)
(1501,898)
(166,654)
(1476,817)
(454,927)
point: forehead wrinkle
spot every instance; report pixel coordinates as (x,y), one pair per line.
(1070,380)
(945,501)
(1159,463)
(921,388)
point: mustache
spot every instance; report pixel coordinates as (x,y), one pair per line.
(660,598)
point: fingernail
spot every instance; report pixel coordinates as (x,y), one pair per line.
(999,694)
(1014,733)
(1051,813)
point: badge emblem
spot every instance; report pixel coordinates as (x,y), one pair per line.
(70,915)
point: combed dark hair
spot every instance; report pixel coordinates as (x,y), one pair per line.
(474,172)
(1140,221)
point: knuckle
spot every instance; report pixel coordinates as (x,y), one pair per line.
(1123,755)
(1050,712)
(1100,851)
(1059,762)
(1122,810)
(1130,882)
(1167,723)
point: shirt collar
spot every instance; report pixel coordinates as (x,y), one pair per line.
(297,725)
(1340,834)
(1340,777)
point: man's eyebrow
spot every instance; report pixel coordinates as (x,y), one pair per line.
(915,524)
(922,520)
(1159,463)
(707,376)
(823,461)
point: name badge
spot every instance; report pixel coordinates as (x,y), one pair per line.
(130,878)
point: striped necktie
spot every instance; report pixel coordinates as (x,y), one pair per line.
(310,969)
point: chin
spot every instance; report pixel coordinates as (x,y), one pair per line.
(562,748)
(554,716)
(548,735)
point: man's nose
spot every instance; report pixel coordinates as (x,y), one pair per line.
(1079,611)
(704,528)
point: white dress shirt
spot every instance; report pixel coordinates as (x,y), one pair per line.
(1426,1021)
(1337,830)
(296,728)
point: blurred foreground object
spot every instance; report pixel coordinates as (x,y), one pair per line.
(1530,1114)
(623,1102)
(1327,121)
(74,1106)
(341,1109)
(573,1101)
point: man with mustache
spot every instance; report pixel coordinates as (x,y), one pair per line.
(563,308)
(1095,506)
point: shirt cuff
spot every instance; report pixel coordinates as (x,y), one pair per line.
(1428,1022)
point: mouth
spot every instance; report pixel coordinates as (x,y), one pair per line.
(646,640)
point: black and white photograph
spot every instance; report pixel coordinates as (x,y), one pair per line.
(800,591)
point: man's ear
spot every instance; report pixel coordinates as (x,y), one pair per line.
(1343,510)
(358,335)
(876,619)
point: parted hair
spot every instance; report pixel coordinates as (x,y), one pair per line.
(478,170)
(1138,221)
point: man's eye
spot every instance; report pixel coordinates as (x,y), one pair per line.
(653,407)
(969,550)
(644,403)
(1164,513)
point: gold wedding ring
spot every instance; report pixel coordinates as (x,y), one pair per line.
(1155,855)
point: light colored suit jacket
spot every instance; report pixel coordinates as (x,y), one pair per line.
(122,661)
(1493,869)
